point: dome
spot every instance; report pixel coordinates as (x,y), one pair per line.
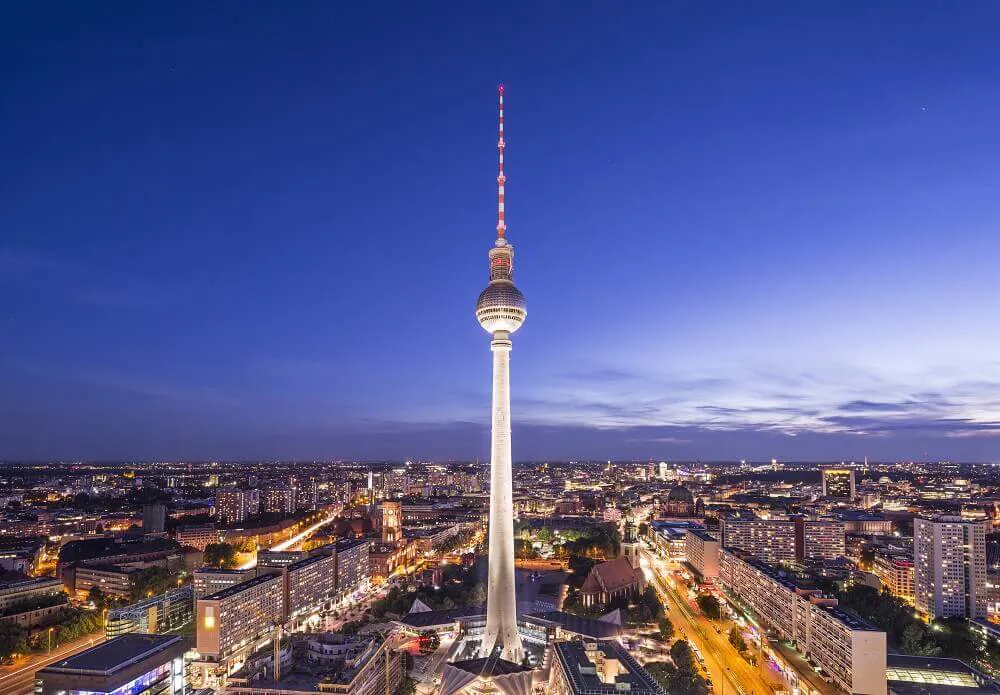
(501,307)
(680,494)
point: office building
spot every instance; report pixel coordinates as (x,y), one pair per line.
(501,310)
(16,588)
(770,540)
(851,651)
(597,668)
(135,664)
(702,552)
(209,580)
(157,614)
(838,483)
(896,574)
(949,559)
(154,518)
(819,539)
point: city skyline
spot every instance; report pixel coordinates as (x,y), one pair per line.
(746,236)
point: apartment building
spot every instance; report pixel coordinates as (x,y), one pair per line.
(233,505)
(896,574)
(819,539)
(353,567)
(949,558)
(209,580)
(233,621)
(770,540)
(849,650)
(309,583)
(702,551)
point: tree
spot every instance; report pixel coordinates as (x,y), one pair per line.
(916,641)
(710,606)
(96,596)
(666,628)
(220,555)
(682,655)
(736,639)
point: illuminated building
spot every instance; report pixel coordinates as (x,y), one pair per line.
(851,651)
(819,539)
(353,566)
(309,583)
(200,536)
(135,664)
(233,505)
(278,500)
(838,483)
(770,540)
(597,668)
(209,580)
(702,551)
(949,558)
(896,574)
(161,613)
(501,310)
(392,522)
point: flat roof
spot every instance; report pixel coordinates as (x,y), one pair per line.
(116,654)
(573,656)
(242,586)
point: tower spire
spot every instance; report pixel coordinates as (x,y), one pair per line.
(501,179)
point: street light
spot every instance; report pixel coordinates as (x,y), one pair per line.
(50,639)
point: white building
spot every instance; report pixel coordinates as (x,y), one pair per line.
(770,540)
(849,650)
(822,539)
(949,562)
(702,551)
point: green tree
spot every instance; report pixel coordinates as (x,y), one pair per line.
(666,628)
(96,596)
(736,639)
(220,555)
(916,640)
(710,606)
(682,655)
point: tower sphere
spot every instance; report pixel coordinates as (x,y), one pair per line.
(501,307)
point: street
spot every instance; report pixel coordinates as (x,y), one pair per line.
(20,678)
(727,668)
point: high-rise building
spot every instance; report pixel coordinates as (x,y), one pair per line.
(501,311)
(233,504)
(838,483)
(819,539)
(353,565)
(770,540)
(278,500)
(896,574)
(949,559)
(702,552)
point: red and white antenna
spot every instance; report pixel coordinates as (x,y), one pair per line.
(501,179)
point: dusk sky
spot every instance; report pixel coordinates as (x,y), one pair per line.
(258,229)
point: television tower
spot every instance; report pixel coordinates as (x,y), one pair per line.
(501,311)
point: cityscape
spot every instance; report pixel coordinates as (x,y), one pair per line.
(857,557)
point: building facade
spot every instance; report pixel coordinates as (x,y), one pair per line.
(851,651)
(770,540)
(949,561)
(702,551)
(838,483)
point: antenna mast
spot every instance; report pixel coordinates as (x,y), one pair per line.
(501,179)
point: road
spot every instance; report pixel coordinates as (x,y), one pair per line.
(730,672)
(294,540)
(20,679)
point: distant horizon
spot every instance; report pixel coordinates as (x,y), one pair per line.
(246,230)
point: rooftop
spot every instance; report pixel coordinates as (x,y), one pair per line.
(583,674)
(116,654)
(242,586)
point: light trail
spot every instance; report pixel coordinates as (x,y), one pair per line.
(294,540)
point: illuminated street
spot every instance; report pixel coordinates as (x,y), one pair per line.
(729,671)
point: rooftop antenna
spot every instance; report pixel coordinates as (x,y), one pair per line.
(501,179)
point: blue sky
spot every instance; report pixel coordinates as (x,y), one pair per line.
(259,229)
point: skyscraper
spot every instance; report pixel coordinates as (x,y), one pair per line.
(501,311)
(949,559)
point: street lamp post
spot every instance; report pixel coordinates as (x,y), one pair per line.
(50,639)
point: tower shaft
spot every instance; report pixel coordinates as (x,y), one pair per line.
(501,608)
